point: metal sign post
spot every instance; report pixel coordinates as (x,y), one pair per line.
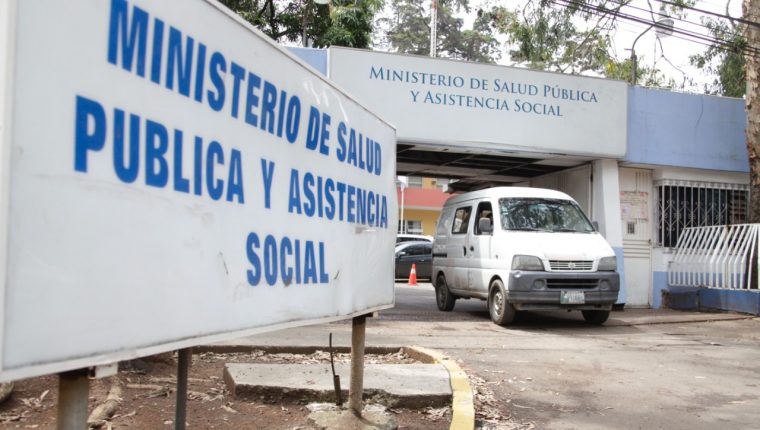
(73,392)
(356,388)
(180,417)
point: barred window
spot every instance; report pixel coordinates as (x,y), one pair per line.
(682,204)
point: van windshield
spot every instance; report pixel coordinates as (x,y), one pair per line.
(536,214)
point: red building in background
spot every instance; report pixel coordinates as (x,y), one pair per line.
(420,204)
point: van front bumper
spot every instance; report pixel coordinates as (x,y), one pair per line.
(543,290)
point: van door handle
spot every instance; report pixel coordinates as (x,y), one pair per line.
(464,250)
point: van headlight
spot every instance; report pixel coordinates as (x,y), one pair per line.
(527,262)
(608,264)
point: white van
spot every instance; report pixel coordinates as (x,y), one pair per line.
(522,249)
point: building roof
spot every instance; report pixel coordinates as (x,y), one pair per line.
(422,198)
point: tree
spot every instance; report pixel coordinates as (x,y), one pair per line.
(544,36)
(648,76)
(342,23)
(408,31)
(570,36)
(751,14)
(724,59)
(350,24)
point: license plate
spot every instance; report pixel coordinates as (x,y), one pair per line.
(572,298)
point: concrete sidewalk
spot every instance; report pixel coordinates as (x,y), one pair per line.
(634,317)
(392,385)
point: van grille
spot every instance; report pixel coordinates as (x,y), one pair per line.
(571,265)
(569,284)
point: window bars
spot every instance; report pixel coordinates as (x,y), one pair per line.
(684,204)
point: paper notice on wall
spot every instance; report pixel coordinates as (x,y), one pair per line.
(634,205)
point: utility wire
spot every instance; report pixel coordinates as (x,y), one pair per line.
(648,11)
(683,34)
(707,12)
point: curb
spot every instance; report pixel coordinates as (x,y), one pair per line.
(462,403)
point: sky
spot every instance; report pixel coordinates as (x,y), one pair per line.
(675,48)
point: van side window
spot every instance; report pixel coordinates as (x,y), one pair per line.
(444,221)
(461,220)
(484,211)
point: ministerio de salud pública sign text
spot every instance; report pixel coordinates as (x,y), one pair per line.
(169,177)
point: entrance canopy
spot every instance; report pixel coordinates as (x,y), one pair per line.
(478,169)
(485,124)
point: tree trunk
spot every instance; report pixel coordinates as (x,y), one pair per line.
(751,12)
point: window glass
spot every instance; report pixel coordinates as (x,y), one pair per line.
(484,211)
(410,227)
(443,221)
(539,214)
(415,250)
(415,182)
(461,220)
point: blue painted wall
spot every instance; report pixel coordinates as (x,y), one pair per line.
(695,298)
(686,130)
(316,58)
(659,284)
(621,271)
(664,128)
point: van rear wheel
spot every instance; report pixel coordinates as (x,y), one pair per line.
(595,317)
(502,312)
(443,297)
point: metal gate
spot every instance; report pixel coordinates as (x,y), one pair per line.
(716,257)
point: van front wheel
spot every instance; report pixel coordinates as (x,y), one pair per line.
(596,317)
(502,312)
(443,297)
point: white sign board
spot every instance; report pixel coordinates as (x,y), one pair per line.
(172,177)
(480,106)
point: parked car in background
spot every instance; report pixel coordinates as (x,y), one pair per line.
(419,253)
(413,238)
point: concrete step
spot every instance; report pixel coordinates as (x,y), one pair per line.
(392,385)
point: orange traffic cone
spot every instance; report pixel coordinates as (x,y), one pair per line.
(413,276)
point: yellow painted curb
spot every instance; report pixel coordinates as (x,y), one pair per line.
(462,404)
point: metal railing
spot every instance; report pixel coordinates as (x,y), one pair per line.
(716,257)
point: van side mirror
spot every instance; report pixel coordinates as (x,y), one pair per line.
(485,226)
(595,224)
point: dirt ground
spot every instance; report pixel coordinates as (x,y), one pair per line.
(148,401)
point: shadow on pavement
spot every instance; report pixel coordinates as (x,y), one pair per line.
(417,303)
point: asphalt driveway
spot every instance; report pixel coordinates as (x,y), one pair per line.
(643,370)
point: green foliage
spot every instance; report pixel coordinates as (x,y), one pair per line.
(342,23)
(547,37)
(408,31)
(571,39)
(646,76)
(725,62)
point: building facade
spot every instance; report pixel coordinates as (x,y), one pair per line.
(644,163)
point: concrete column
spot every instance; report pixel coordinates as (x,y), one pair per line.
(606,210)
